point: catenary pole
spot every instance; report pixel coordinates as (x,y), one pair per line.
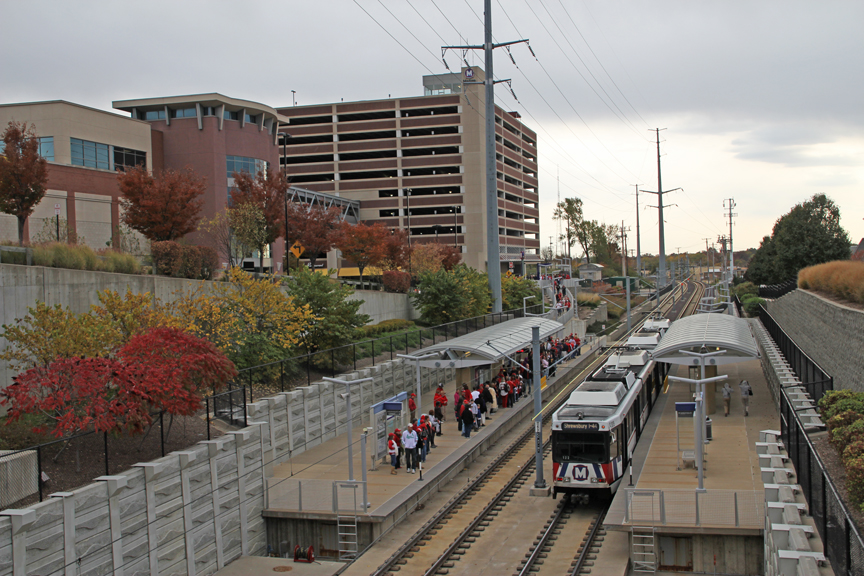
(662,266)
(493,258)
(536,368)
(638,242)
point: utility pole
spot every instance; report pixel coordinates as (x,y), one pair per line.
(661,271)
(624,249)
(493,254)
(731,205)
(638,245)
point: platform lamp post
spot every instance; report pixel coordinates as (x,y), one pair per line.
(699,359)
(539,483)
(347,397)
(416,360)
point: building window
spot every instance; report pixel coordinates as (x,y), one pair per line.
(46,148)
(184,113)
(154,115)
(251,119)
(127,158)
(90,154)
(208,111)
(237,164)
(388,213)
(231,115)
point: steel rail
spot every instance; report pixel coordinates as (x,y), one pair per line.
(547,534)
(493,466)
(592,535)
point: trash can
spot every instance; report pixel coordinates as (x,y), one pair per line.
(708,434)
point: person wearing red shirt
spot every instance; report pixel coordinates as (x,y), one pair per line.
(393,451)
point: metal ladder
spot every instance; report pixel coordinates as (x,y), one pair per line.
(642,549)
(346,526)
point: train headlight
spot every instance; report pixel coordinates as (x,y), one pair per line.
(593,480)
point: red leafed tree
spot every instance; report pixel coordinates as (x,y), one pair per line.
(23,173)
(161,369)
(266,190)
(395,250)
(314,227)
(161,207)
(361,244)
(450,257)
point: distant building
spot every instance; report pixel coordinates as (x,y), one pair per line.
(593,272)
(85,148)
(858,251)
(419,164)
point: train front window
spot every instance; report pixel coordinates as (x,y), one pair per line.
(591,447)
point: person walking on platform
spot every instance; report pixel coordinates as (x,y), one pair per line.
(412,406)
(393,451)
(746,392)
(409,440)
(727,398)
(439,419)
(489,398)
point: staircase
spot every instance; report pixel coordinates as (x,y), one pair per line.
(346,527)
(642,549)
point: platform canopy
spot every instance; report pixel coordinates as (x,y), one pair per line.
(707,333)
(488,345)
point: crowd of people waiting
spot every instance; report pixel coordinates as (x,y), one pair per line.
(473,408)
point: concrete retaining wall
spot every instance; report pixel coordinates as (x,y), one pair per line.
(830,333)
(193,511)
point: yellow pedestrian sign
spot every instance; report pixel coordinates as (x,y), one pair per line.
(297,249)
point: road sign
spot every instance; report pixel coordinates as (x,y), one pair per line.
(297,249)
(56,209)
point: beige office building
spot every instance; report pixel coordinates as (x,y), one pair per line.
(419,164)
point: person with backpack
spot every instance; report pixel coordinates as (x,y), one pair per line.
(746,392)
(439,416)
(503,392)
(397,436)
(457,407)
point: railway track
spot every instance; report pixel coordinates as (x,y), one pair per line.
(476,514)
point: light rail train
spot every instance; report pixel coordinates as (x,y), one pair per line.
(595,432)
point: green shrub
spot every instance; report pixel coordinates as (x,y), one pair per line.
(853,403)
(209,262)
(745,288)
(831,398)
(394,325)
(751,304)
(842,420)
(853,450)
(855,480)
(190,262)
(42,256)
(120,262)
(845,435)
(67,256)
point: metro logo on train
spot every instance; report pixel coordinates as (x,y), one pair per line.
(580,472)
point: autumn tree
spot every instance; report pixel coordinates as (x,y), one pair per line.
(252,320)
(266,190)
(249,229)
(396,250)
(314,227)
(222,239)
(164,206)
(515,288)
(450,256)
(337,318)
(808,234)
(361,244)
(162,369)
(23,173)
(47,333)
(446,296)
(569,213)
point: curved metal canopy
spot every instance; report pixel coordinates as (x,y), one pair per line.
(488,345)
(707,333)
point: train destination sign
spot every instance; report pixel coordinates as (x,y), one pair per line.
(580,426)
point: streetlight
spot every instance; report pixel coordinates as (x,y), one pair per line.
(285,175)
(347,397)
(524,307)
(455,228)
(437,228)
(416,360)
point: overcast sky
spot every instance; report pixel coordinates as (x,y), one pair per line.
(761,101)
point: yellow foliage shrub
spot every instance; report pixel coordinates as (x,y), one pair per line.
(841,278)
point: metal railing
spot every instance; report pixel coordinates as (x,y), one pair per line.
(812,376)
(738,508)
(314,495)
(844,546)
(775,291)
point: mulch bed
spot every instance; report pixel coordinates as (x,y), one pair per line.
(83,459)
(837,473)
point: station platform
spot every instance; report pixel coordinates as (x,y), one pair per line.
(302,504)
(664,497)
